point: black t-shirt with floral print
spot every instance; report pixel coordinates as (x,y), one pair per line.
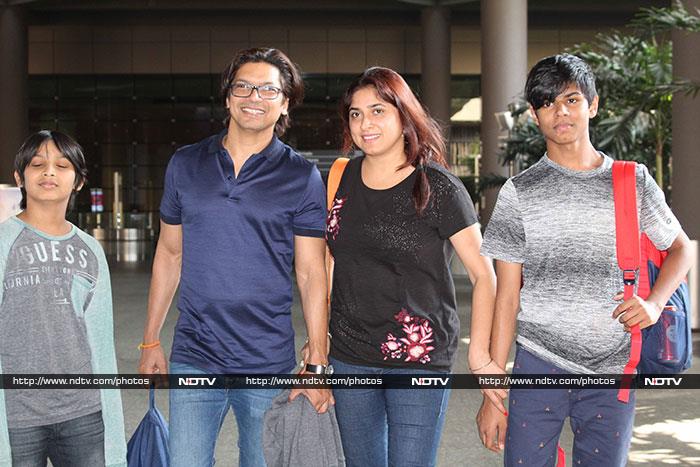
(393,301)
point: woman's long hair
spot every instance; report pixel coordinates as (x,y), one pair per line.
(423,137)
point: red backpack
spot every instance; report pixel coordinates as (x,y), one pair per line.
(666,346)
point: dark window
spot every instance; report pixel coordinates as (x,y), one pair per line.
(133,123)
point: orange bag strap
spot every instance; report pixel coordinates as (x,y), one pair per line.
(334,177)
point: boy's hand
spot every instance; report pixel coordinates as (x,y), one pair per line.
(635,311)
(495,395)
(492,426)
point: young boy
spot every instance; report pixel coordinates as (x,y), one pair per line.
(554,227)
(55,317)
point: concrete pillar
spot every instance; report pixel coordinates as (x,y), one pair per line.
(503,73)
(685,178)
(435,63)
(13,86)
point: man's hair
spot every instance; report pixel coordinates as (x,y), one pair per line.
(290,78)
(551,75)
(65,145)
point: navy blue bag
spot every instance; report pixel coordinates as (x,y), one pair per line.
(667,346)
(148,446)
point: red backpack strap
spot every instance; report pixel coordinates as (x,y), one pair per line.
(649,254)
(334,177)
(561,456)
(628,256)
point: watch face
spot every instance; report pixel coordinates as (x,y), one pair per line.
(317,369)
(330,369)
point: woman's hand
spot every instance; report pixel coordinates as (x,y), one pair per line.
(494,395)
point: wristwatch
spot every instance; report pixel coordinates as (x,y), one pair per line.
(319,369)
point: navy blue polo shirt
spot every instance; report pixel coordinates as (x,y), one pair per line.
(237,249)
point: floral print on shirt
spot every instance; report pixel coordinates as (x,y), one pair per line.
(415,345)
(333,219)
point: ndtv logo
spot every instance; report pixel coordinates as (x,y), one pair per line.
(196,381)
(429,381)
(662,381)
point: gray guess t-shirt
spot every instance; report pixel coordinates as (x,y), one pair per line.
(48,285)
(560,225)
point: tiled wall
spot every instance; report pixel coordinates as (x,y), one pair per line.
(63,49)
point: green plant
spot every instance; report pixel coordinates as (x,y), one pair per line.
(635,83)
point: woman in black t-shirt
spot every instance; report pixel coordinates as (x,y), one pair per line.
(397,219)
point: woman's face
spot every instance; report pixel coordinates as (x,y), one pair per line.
(375,125)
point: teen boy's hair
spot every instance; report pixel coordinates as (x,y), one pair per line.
(551,75)
(290,77)
(65,145)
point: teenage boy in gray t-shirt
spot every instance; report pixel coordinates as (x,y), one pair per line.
(553,228)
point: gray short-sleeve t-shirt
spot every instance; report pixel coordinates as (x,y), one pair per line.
(48,285)
(560,224)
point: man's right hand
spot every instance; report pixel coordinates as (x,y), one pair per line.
(321,398)
(153,361)
(492,425)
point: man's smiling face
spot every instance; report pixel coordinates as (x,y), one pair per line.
(253,113)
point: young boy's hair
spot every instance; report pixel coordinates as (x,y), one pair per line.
(551,75)
(66,145)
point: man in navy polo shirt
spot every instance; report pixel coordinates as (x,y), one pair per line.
(237,208)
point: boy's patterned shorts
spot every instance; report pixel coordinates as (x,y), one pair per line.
(601,424)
